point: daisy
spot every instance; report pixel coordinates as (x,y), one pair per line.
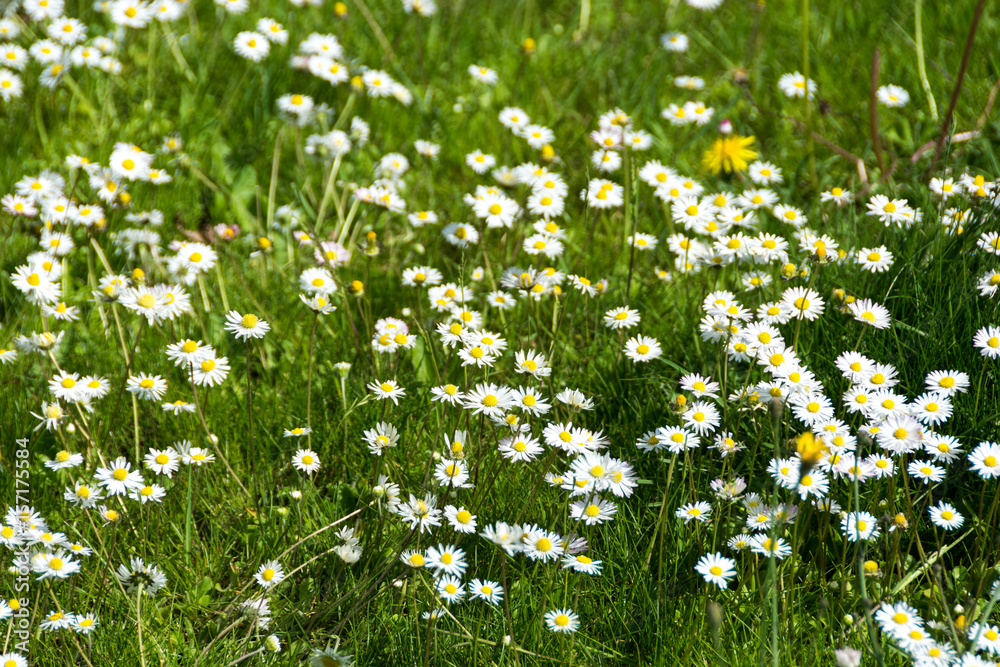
(987,340)
(542,545)
(985,460)
(931,409)
(699,385)
(838,196)
(766,546)
(163,462)
(562,621)
(119,478)
(868,312)
(804,302)
(489,399)
(796,85)
(764,173)
(947,383)
(64,459)
(460,234)
(488,591)
(314,280)
(925,472)
(178,407)
(196,456)
(297,432)
(461,519)
(642,348)
(699,511)
(876,260)
(716,569)
(944,515)
(483,75)
(83,624)
(701,417)
(892,96)
(451,589)
(897,618)
(147,387)
(447,560)
(988,285)
(674,41)
(252,45)
(36,285)
(306,461)
(245,327)
(480,162)
(269,574)
(420,512)
(520,447)
(389,389)
(139,574)
(149,493)
(859,526)
(593,511)
(621,318)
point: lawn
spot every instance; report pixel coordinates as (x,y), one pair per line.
(507,333)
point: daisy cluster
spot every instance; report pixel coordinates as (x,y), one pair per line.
(494,343)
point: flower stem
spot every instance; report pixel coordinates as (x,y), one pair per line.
(309,383)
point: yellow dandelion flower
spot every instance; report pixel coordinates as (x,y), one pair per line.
(729,154)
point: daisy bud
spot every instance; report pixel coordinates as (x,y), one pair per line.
(283,511)
(848,657)
(958,609)
(71,428)
(506,640)
(777,407)
(342,368)
(357,288)
(848,619)
(725,127)
(406,312)
(138,275)
(214,439)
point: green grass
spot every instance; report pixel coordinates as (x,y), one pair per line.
(633,613)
